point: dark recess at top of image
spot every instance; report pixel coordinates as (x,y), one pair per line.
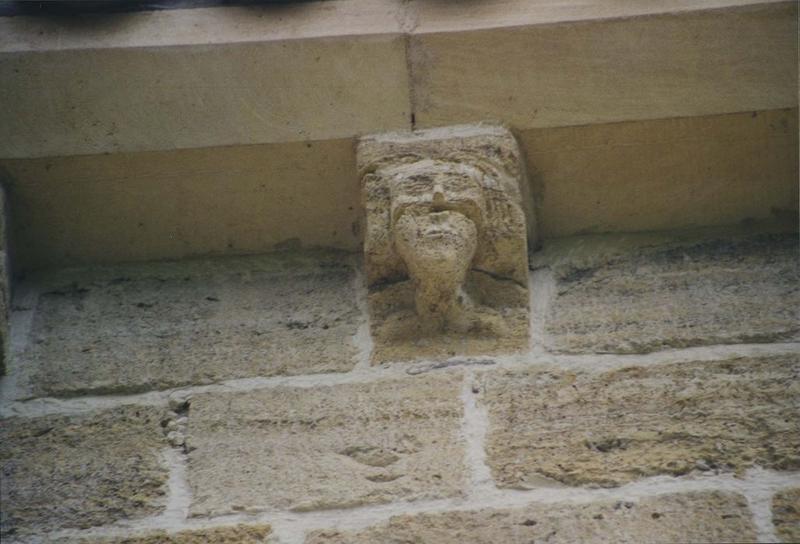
(65,8)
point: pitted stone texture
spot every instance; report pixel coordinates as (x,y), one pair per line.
(786,514)
(446,241)
(607,429)
(463,159)
(326,447)
(398,334)
(235,534)
(155,326)
(81,471)
(691,517)
(713,292)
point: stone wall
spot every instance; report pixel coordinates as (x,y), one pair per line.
(236,400)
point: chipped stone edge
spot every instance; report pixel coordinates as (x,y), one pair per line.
(14,385)
(363,338)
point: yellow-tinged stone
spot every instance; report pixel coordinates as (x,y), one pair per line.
(643,297)
(690,517)
(326,447)
(81,471)
(181,203)
(602,69)
(620,177)
(665,173)
(235,534)
(398,336)
(786,514)
(610,428)
(199,78)
(131,328)
(445,249)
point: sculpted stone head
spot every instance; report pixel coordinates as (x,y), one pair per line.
(440,205)
(436,216)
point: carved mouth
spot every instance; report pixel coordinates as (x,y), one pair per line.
(466,208)
(443,225)
(438,236)
(439,230)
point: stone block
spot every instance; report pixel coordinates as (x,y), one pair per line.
(132,328)
(240,76)
(81,471)
(786,514)
(326,447)
(200,78)
(690,517)
(234,534)
(674,295)
(446,241)
(607,429)
(665,173)
(532,70)
(124,207)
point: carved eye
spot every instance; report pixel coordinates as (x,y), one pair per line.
(413,186)
(461,184)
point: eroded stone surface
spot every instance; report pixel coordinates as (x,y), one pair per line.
(446,232)
(325,447)
(235,534)
(611,428)
(690,517)
(711,292)
(133,328)
(399,336)
(81,471)
(786,514)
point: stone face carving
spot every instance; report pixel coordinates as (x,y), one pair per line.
(446,241)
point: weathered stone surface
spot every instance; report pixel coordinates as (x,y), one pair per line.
(610,428)
(147,206)
(235,534)
(690,517)
(446,241)
(786,514)
(709,292)
(546,64)
(398,336)
(81,471)
(664,173)
(5,283)
(326,447)
(131,328)
(201,78)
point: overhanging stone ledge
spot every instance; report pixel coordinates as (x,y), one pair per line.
(236,76)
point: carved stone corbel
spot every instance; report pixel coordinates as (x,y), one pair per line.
(446,242)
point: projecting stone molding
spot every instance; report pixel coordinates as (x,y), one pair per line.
(446,241)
